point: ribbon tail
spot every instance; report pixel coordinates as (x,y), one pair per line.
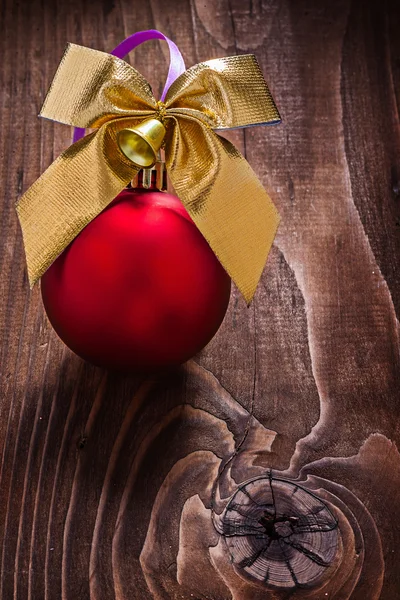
(225,199)
(76,187)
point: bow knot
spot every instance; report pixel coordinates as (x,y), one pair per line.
(161,110)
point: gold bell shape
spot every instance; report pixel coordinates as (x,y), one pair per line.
(141,143)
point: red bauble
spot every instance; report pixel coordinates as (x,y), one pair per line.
(139,287)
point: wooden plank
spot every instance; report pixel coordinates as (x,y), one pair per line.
(117,487)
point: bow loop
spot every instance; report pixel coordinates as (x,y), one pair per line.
(91,87)
(230,91)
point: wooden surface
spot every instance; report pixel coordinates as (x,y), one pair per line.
(268,466)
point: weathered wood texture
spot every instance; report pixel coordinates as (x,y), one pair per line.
(117,487)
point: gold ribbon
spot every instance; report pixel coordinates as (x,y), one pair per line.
(221,192)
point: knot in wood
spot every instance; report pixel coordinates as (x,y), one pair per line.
(279,533)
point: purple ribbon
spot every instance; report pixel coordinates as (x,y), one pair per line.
(176,63)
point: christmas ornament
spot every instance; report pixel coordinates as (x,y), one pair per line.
(101,296)
(139,287)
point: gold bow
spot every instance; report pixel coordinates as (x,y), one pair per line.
(221,192)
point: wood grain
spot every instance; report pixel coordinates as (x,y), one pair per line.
(123,487)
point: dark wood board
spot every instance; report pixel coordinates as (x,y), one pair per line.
(127,488)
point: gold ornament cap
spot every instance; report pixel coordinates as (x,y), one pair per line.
(154,178)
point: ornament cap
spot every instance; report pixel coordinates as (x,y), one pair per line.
(153,178)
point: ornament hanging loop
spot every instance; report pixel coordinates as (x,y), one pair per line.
(141,143)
